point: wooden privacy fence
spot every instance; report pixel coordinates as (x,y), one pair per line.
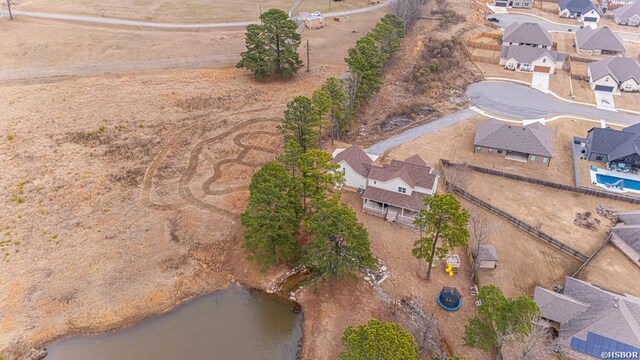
(519,223)
(579,190)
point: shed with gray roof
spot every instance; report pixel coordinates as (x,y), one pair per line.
(590,317)
(529,143)
(526,34)
(598,41)
(487,257)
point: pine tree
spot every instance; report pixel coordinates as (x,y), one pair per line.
(272,217)
(378,340)
(301,123)
(339,243)
(333,91)
(272,46)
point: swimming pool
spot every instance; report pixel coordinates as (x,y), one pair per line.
(626,183)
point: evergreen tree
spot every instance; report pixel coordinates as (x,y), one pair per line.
(272,46)
(319,175)
(443,226)
(272,217)
(500,319)
(301,123)
(365,61)
(378,340)
(333,90)
(387,35)
(339,244)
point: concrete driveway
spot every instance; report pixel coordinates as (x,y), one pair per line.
(604,100)
(522,102)
(540,81)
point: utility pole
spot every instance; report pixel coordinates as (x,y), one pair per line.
(350,3)
(308,52)
(9,6)
(330,4)
(260,9)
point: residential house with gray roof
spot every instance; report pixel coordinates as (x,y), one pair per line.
(607,145)
(529,143)
(394,191)
(591,319)
(614,75)
(626,235)
(583,10)
(629,14)
(600,41)
(526,58)
(526,34)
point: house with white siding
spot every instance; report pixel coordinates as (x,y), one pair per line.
(628,14)
(394,191)
(583,10)
(614,75)
(523,4)
(526,58)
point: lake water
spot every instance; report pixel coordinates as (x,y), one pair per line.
(227,325)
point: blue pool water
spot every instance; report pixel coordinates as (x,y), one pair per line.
(626,183)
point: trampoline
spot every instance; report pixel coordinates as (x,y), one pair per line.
(450,299)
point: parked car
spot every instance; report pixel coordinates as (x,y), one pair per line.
(492,19)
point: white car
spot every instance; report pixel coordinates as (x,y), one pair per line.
(316,13)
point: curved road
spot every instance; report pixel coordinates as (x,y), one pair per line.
(158,25)
(522,102)
(510,18)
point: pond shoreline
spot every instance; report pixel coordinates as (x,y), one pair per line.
(135,320)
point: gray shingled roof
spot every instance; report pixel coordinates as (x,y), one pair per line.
(606,140)
(630,234)
(528,54)
(528,33)
(557,307)
(359,161)
(628,11)
(487,253)
(599,39)
(610,314)
(620,68)
(579,6)
(630,217)
(534,138)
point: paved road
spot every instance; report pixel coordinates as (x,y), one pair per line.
(158,25)
(508,19)
(522,102)
(410,134)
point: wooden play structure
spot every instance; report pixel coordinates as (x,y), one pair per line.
(452,264)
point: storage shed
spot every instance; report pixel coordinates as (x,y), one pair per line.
(488,257)
(314,22)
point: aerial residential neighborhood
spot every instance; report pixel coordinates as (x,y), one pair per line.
(320,179)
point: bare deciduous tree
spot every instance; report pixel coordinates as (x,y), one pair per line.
(9,7)
(407,10)
(423,326)
(537,345)
(479,228)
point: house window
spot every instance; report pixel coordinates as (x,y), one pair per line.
(375,182)
(344,170)
(478,149)
(402,190)
(599,157)
(532,158)
(499,151)
(545,160)
(490,151)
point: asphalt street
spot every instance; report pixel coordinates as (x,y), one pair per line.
(522,102)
